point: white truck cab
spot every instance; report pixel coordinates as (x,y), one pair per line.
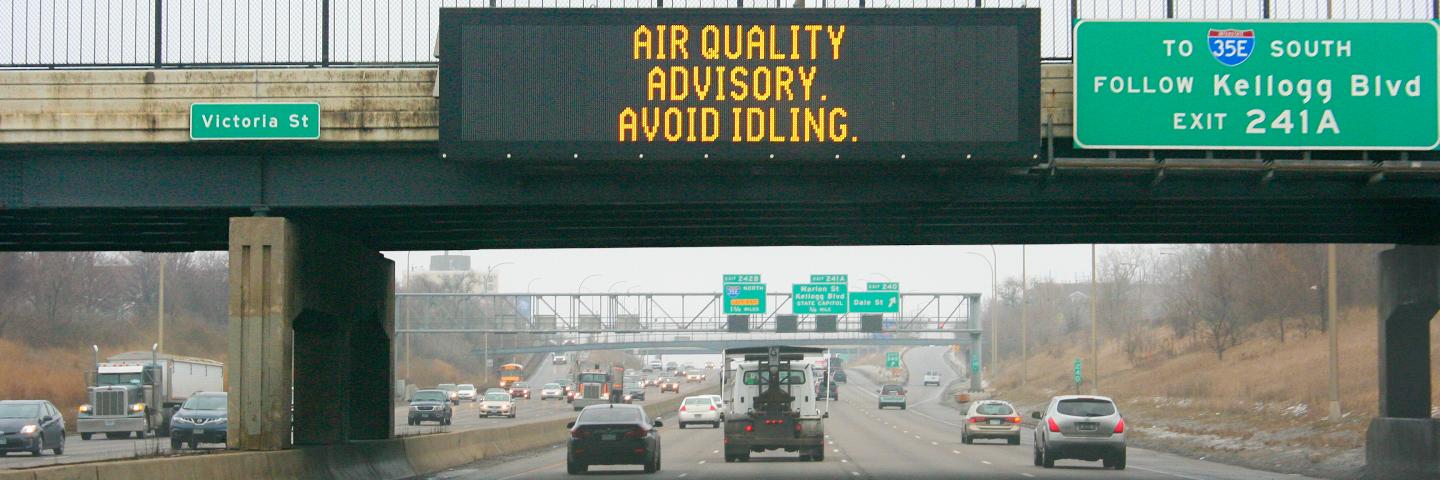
(771,403)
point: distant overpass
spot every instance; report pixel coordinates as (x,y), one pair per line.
(663,346)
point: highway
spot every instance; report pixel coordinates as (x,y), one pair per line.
(919,442)
(466,417)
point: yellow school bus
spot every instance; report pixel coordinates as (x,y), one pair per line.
(511,373)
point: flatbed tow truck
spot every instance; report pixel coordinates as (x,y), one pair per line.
(772,403)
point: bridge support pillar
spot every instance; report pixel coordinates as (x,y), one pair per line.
(1403,441)
(312,311)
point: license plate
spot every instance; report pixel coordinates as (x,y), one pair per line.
(1088,427)
(109,423)
(197,432)
(996,421)
(608,437)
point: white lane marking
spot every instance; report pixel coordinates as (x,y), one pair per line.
(917,437)
(844,461)
(933,443)
(855,473)
(702,462)
(907,431)
(1162,472)
(683,475)
(984,462)
(835,450)
(717,451)
(957,452)
(1026,474)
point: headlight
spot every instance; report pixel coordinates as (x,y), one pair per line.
(86,408)
(29,429)
(180,419)
(137,408)
(414,408)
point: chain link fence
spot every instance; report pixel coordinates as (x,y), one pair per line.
(307,33)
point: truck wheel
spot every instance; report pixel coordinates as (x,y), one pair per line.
(84,436)
(819,455)
(744,457)
(729,458)
(140,434)
(116,435)
(805,457)
(682,425)
(174,443)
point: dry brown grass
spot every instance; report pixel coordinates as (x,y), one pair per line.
(1257,380)
(54,374)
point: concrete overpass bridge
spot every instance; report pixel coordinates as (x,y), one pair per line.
(95,155)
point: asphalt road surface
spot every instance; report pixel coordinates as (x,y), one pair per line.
(864,442)
(466,417)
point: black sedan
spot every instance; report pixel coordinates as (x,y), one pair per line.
(613,434)
(31,426)
(430,405)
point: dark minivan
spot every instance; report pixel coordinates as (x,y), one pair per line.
(613,434)
(201,419)
(31,426)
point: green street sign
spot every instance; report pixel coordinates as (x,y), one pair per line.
(1078,377)
(254,121)
(1256,85)
(892,359)
(830,278)
(875,302)
(819,298)
(746,278)
(975,363)
(744,298)
(882,286)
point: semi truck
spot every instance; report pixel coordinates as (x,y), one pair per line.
(773,403)
(136,393)
(596,386)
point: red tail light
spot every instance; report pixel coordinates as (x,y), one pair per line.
(1054,427)
(682,408)
(635,433)
(749,428)
(1120,426)
(712,408)
(973,419)
(797,427)
(579,434)
(1015,419)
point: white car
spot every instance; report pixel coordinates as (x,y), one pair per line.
(932,378)
(719,405)
(694,377)
(497,404)
(467,392)
(552,390)
(700,409)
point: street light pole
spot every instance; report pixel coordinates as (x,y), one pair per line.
(582,282)
(531,282)
(160,342)
(490,276)
(1094,344)
(1024,320)
(1331,325)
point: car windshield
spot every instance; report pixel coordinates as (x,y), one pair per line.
(610,415)
(522,385)
(205,402)
(994,409)
(447,387)
(497,397)
(429,396)
(118,378)
(1086,407)
(890,390)
(698,401)
(19,411)
(552,386)
(633,386)
(467,387)
(787,377)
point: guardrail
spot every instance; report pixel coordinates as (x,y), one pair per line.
(52,34)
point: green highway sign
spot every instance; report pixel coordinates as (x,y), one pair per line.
(875,302)
(975,363)
(892,359)
(1078,377)
(819,298)
(1258,85)
(830,279)
(748,278)
(882,286)
(744,298)
(254,121)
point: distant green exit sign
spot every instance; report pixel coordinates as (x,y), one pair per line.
(254,121)
(1257,85)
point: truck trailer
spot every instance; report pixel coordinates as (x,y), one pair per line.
(136,393)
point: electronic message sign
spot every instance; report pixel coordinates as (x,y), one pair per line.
(755,85)
(1257,85)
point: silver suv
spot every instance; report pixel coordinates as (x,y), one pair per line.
(1081,427)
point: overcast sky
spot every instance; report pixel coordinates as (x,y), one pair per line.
(930,269)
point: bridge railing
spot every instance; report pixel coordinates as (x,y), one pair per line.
(53,34)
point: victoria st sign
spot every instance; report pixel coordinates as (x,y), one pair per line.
(1257,85)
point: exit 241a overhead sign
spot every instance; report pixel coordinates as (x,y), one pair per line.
(1257,85)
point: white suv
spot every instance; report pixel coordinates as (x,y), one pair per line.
(932,378)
